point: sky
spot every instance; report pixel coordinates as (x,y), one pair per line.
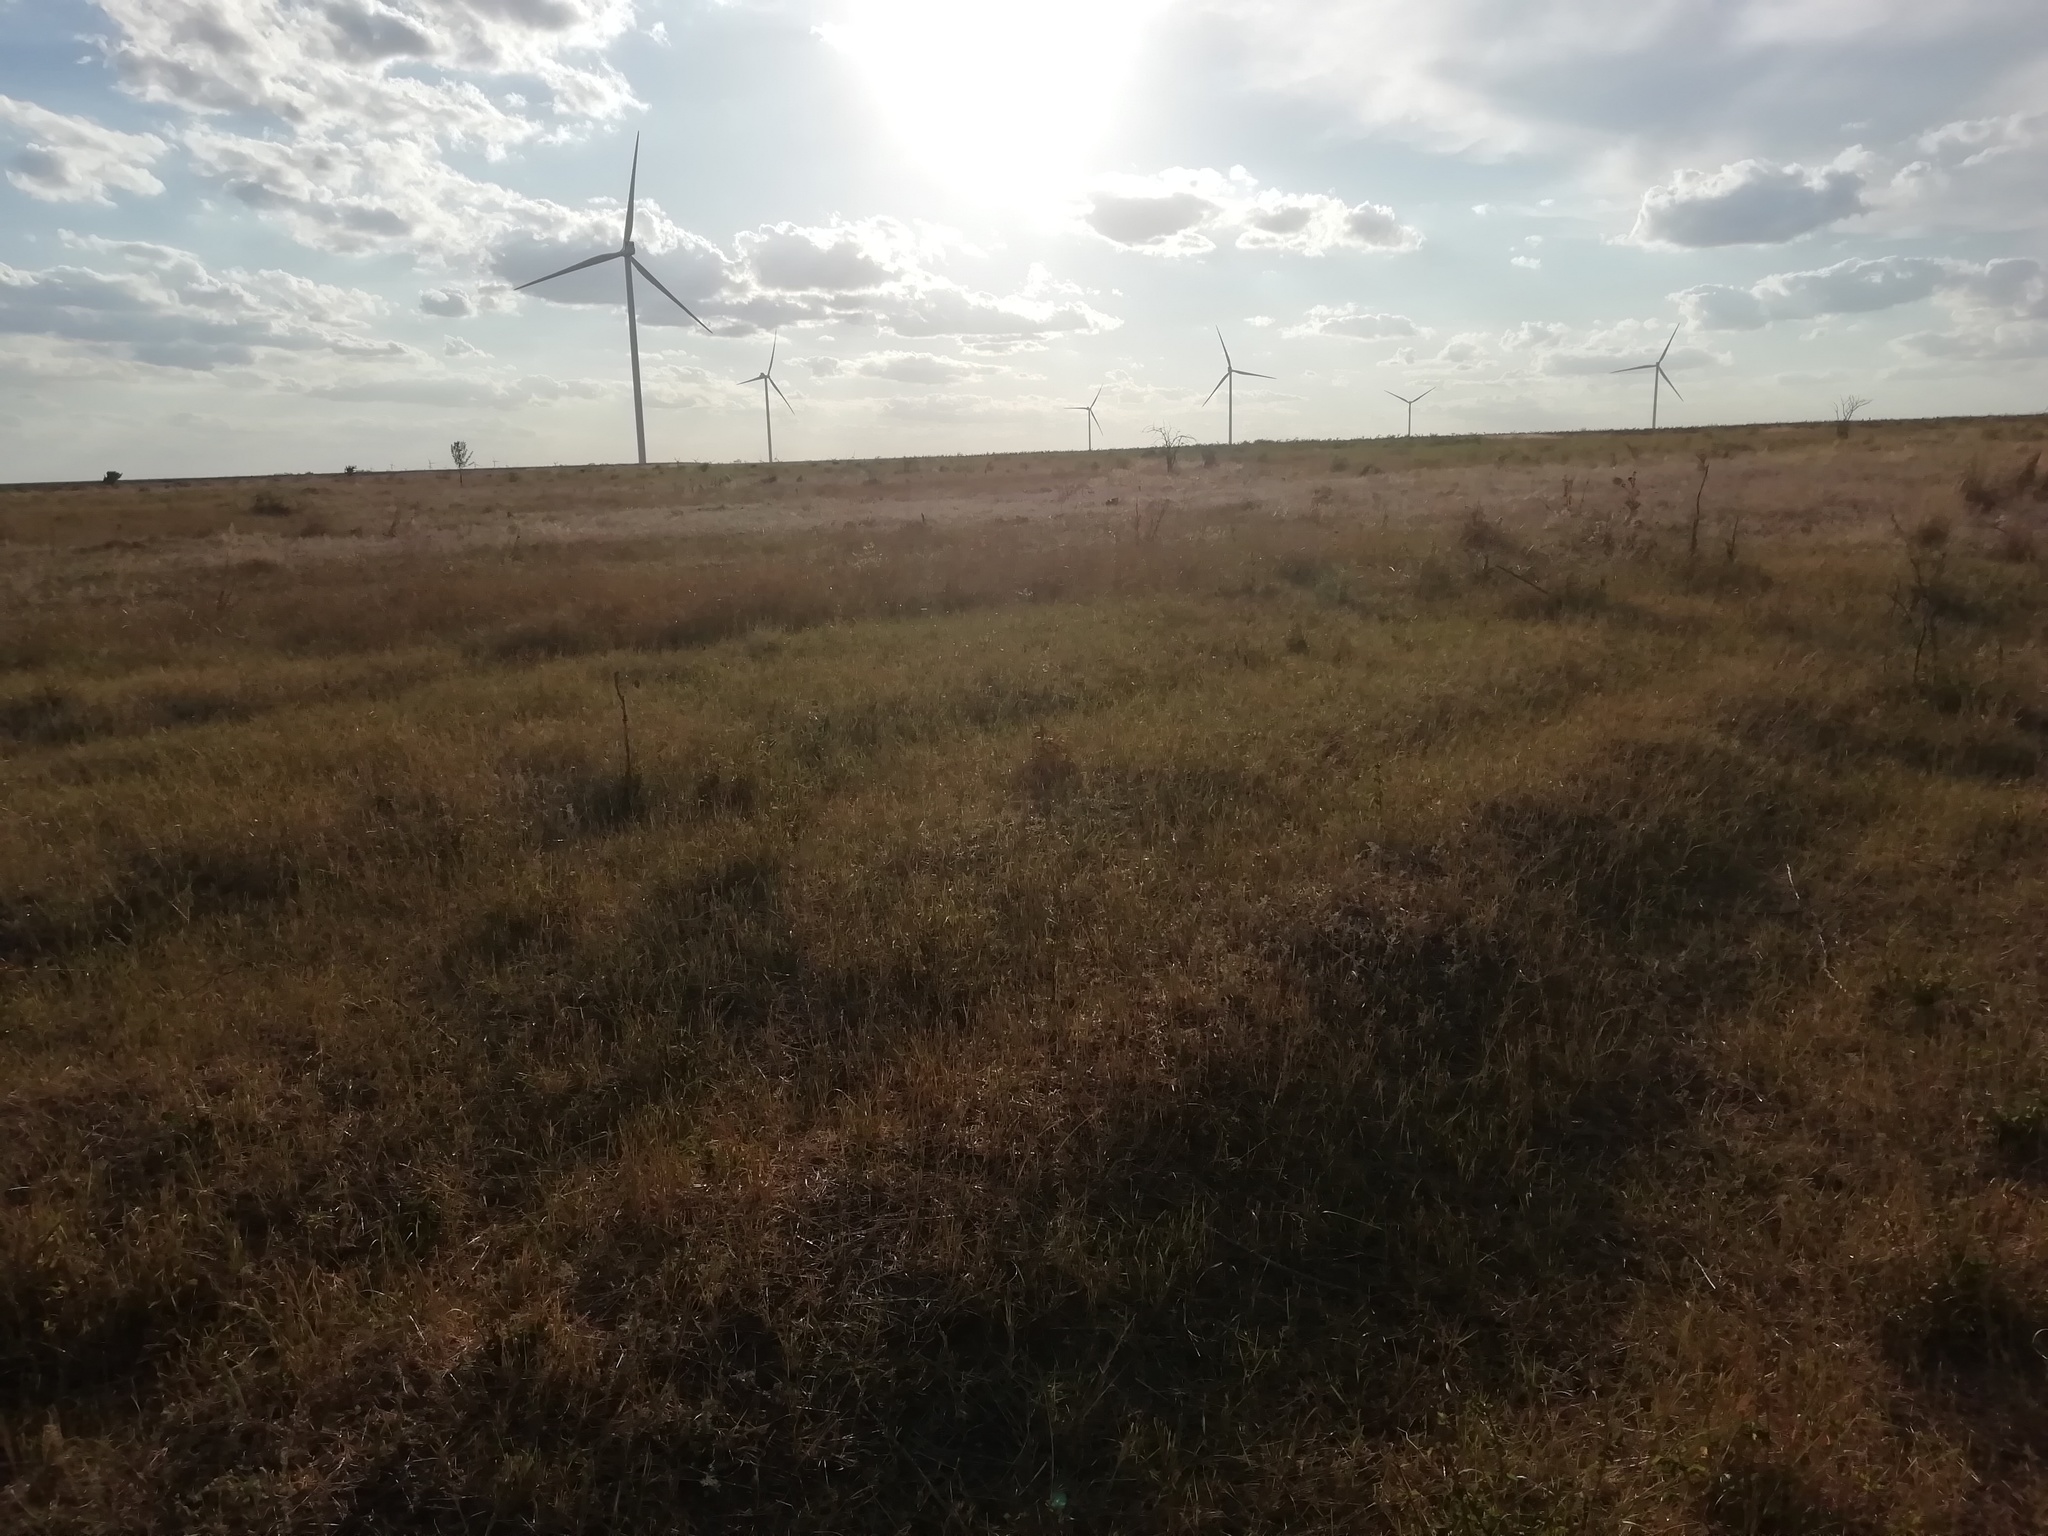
(259,236)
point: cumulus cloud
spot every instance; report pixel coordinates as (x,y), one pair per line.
(913,368)
(1182,212)
(1972,174)
(1751,202)
(74,159)
(449,303)
(1548,349)
(401,67)
(157,305)
(333,118)
(1560,351)
(1349,320)
(879,273)
(2011,286)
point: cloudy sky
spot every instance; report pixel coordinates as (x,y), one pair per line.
(256,235)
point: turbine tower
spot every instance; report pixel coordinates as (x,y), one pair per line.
(1094,423)
(1409,401)
(1231,372)
(766,379)
(1661,377)
(625,254)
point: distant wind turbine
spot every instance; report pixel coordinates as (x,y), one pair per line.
(1231,372)
(1094,424)
(625,253)
(766,379)
(1662,378)
(1409,401)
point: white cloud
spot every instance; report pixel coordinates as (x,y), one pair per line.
(76,160)
(1751,202)
(2008,288)
(1351,321)
(449,303)
(1182,212)
(1973,174)
(395,66)
(332,117)
(912,368)
(162,307)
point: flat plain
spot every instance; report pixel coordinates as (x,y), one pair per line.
(1455,985)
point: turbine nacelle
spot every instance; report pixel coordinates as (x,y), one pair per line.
(766,379)
(1231,373)
(628,253)
(1660,380)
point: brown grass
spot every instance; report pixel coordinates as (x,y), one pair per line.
(1074,1016)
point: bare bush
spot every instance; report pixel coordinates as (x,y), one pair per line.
(1171,442)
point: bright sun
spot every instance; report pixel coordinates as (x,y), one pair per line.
(1004,101)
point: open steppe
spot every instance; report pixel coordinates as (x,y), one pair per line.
(1483,986)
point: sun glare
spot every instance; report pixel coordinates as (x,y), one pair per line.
(1005,102)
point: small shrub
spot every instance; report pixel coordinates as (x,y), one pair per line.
(112,477)
(270,504)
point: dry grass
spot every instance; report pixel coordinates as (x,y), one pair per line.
(1297,999)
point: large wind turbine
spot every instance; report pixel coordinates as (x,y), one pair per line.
(625,254)
(1094,424)
(1230,372)
(766,379)
(1409,401)
(1662,378)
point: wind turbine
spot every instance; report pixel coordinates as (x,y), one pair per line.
(625,253)
(1230,372)
(1662,378)
(766,379)
(1094,423)
(1410,401)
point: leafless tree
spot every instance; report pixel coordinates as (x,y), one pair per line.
(1170,443)
(1845,412)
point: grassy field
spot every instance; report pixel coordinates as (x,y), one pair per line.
(1484,986)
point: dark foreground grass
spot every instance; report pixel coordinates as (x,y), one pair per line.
(1278,1025)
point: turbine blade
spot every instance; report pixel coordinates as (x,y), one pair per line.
(1098,396)
(594,261)
(1669,344)
(679,304)
(1667,381)
(757,378)
(1096,419)
(778,390)
(1246,373)
(1402,398)
(1427,393)
(1212,393)
(773,343)
(1224,345)
(633,190)
(1639,368)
